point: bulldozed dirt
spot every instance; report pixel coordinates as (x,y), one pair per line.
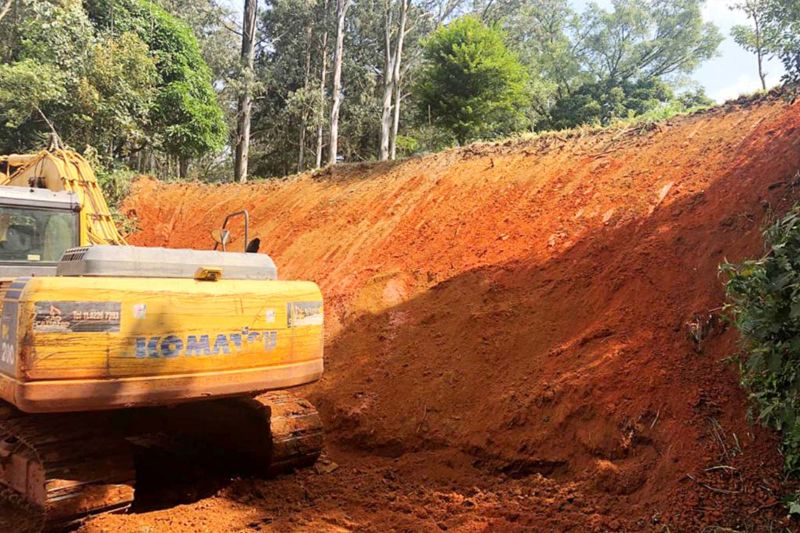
(524,335)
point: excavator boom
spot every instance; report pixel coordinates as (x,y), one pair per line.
(62,170)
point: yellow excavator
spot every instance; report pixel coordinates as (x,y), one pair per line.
(106,349)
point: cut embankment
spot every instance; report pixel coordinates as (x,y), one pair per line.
(544,307)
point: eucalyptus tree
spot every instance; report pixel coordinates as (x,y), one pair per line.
(341,16)
(244,106)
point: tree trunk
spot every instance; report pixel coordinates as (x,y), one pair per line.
(322,76)
(760,52)
(245,103)
(341,12)
(6,8)
(301,156)
(183,167)
(398,59)
(388,77)
(395,121)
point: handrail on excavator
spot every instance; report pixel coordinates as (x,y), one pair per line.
(224,233)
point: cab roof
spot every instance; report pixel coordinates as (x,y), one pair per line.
(33,197)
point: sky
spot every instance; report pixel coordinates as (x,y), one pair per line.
(732,73)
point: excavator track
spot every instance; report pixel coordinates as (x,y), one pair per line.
(267,435)
(296,431)
(60,469)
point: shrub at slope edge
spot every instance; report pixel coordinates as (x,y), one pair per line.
(764,300)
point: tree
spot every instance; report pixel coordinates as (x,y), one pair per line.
(245,105)
(93,89)
(764,305)
(646,40)
(186,120)
(341,14)
(119,93)
(391,74)
(291,68)
(323,71)
(472,84)
(695,99)
(782,22)
(548,37)
(601,103)
(293,102)
(27,87)
(605,64)
(758,38)
(219,36)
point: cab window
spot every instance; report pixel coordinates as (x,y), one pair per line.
(35,235)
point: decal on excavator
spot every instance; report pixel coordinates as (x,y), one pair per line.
(210,344)
(304,314)
(77,317)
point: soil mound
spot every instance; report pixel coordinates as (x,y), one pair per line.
(532,321)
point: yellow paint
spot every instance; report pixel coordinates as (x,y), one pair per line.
(176,308)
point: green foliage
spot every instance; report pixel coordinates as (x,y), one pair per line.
(472,84)
(425,139)
(212,24)
(764,301)
(758,36)
(94,90)
(606,65)
(27,86)
(116,184)
(186,119)
(775,30)
(695,99)
(747,38)
(286,85)
(604,102)
(645,40)
(407,145)
(121,78)
(783,21)
(118,92)
(544,33)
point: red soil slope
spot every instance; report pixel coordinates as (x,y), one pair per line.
(510,326)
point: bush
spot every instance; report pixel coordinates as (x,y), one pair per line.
(116,185)
(764,303)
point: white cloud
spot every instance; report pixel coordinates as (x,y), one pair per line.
(720,13)
(743,84)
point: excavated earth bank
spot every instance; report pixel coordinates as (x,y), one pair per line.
(523,335)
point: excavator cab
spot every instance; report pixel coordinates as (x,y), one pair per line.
(36,227)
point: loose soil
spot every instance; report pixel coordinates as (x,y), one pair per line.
(523,335)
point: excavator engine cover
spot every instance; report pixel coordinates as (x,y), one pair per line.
(141,262)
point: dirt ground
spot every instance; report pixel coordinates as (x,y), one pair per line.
(522,335)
